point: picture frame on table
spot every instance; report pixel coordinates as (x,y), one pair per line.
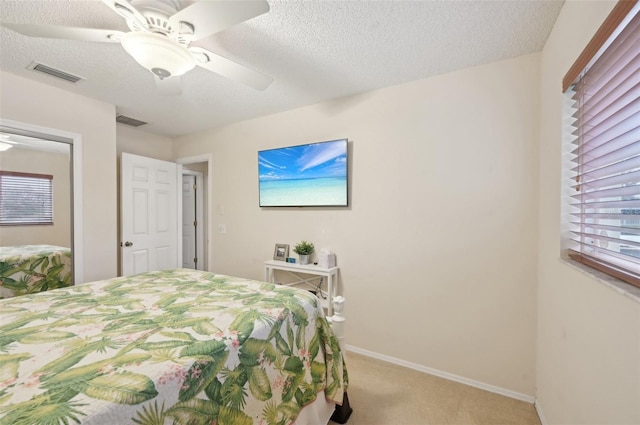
(281,252)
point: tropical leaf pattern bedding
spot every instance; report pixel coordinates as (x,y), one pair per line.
(171,347)
(27,269)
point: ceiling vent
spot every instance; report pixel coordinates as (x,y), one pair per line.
(123,119)
(53,72)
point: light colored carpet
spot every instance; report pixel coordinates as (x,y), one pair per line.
(382,393)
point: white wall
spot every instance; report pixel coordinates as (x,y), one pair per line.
(438,249)
(44,105)
(40,162)
(588,333)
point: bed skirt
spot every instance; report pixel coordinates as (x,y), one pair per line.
(318,412)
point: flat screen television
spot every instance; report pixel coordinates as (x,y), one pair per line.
(311,175)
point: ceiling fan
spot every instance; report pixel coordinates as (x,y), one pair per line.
(161,35)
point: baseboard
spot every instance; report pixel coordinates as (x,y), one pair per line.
(445,375)
(543,420)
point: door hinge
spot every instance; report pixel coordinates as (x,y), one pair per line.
(195,223)
(195,186)
(195,260)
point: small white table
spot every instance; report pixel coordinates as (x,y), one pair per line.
(316,272)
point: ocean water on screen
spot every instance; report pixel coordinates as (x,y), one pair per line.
(300,192)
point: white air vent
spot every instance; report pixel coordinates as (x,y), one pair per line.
(53,72)
(123,119)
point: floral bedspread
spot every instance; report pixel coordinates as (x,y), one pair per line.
(26,269)
(171,347)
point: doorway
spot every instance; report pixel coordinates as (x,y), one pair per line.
(192,167)
(192,220)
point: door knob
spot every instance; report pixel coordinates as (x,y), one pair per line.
(127,243)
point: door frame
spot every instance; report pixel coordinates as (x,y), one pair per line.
(208,158)
(75,140)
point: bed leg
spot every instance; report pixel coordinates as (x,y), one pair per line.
(341,413)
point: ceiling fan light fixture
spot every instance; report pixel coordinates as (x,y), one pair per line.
(157,53)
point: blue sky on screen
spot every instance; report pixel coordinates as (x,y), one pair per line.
(327,159)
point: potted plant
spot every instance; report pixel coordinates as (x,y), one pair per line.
(304,250)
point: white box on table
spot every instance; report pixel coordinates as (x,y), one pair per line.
(326,260)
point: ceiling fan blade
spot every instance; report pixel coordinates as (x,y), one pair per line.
(209,17)
(67,33)
(171,86)
(230,69)
(124,9)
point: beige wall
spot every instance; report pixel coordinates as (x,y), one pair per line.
(138,142)
(588,333)
(44,105)
(437,251)
(56,165)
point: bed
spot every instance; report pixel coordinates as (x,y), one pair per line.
(26,269)
(170,347)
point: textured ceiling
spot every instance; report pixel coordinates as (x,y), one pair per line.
(315,51)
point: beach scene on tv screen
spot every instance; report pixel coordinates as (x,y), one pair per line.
(306,175)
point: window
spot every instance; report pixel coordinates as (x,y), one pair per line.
(604,113)
(25,199)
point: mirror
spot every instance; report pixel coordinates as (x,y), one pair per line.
(36,212)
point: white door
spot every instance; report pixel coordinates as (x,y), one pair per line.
(189,223)
(149,214)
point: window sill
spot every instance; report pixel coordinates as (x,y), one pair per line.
(617,285)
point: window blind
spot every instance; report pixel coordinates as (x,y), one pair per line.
(25,198)
(605,201)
